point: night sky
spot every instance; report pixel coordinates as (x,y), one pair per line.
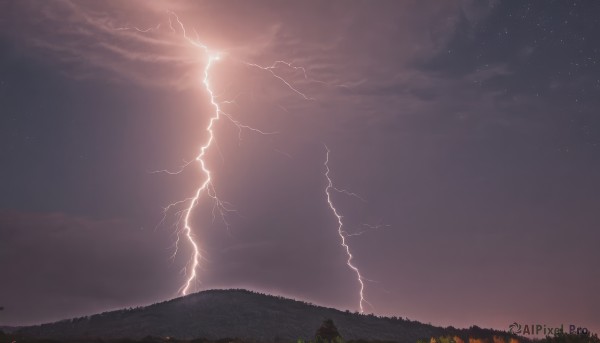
(470,130)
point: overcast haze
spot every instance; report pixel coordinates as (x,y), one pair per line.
(470,129)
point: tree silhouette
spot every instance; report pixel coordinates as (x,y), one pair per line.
(328,333)
(572,338)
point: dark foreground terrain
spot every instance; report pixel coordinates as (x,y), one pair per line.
(244,315)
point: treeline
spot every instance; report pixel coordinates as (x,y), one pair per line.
(561,338)
(326,333)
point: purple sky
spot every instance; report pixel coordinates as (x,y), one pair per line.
(470,129)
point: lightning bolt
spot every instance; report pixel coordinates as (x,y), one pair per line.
(340,229)
(369,228)
(206,187)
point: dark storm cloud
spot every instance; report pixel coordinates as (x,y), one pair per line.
(87,39)
(468,127)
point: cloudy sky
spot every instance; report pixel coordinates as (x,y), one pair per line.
(469,130)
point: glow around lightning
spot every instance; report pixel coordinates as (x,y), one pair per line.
(340,229)
(207,187)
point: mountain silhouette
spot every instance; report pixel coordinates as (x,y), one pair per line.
(243,314)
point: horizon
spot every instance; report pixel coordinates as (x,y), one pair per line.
(437,160)
(243,290)
(260,293)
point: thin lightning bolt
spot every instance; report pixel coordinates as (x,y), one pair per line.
(341,233)
(187,229)
(271,68)
(207,186)
(369,229)
(343,191)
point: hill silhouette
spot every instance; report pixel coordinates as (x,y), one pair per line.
(242,314)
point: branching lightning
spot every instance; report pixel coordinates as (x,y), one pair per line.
(207,185)
(207,188)
(271,70)
(367,228)
(328,190)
